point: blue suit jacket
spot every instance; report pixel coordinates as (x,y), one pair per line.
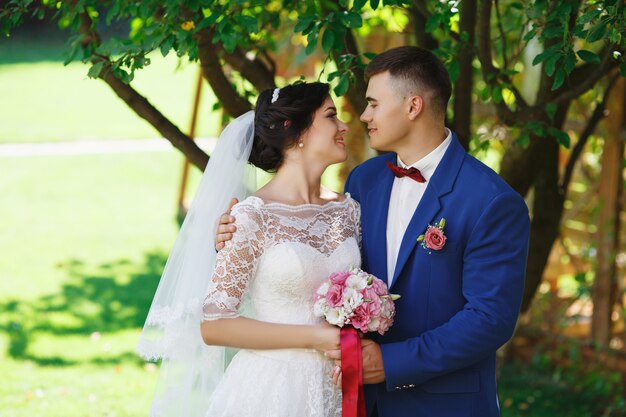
(459,304)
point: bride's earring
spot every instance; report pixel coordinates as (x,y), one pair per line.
(300,145)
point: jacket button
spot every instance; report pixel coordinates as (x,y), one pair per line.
(411,386)
(397,388)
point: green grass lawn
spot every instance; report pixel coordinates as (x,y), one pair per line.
(86,241)
(46,101)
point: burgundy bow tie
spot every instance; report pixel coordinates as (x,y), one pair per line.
(412,172)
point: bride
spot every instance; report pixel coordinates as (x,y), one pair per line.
(257,294)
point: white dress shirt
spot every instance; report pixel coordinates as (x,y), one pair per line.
(406,194)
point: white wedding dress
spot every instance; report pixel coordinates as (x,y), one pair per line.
(276,260)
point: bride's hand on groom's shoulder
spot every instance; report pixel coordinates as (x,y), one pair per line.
(226,227)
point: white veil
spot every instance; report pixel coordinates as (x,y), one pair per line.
(190,369)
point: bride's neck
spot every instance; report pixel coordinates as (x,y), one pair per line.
(297,183)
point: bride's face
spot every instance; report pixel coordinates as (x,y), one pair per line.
(323,141)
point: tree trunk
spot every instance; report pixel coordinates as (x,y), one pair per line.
(611,184)
(465,83)
(547,211)
(423,39)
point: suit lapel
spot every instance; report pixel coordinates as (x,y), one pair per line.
(440,184)
(378,200)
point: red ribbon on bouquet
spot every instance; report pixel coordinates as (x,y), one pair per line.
(353,401)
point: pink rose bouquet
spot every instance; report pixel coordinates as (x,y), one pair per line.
(356,298)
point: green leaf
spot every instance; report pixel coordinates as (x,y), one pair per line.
(303,24)
(166,45)
(333,75)
(554,31)
(433,23)
(369,55)
(509,72)
(524,139)
(496,94)
(358,5)
(596,33)
(374,4)
(353,20)
(208,21)
(570,62)
(561,137)
(229,40)
(559,78)
(454,70)
(589,16)
(530,34)
(551,110)
(536,127)
(248,23)
(328,40)
(542,57)
(420,238)
(311,42)
(588,56)
(342,86)
(95,70)
(550,64)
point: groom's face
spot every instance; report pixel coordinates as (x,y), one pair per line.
(386,113)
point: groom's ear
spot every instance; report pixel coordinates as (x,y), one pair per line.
(416,106)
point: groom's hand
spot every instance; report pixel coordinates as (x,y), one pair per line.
(226,228)
(373,369)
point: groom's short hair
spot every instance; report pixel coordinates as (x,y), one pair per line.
(421,71)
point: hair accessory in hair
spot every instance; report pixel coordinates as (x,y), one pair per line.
(275,94)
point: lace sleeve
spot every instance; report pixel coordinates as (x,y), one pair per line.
(235,265)
(356,218)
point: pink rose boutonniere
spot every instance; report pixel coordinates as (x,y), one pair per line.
(434,238)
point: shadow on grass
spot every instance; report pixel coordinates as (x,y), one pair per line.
(114,296)
(124,358)
(106,298)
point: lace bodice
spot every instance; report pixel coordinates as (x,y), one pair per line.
(280,254)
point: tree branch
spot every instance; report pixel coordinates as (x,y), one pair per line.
(491,74)
(356,92)
(592,123)
(585,77)
(233,103)
(502,35)
(254,70)
(138,103)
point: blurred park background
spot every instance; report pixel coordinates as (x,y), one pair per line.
(93,94)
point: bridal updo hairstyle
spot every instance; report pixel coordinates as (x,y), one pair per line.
(278,125)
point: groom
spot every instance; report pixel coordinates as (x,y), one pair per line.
(461,279)
(460,296)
